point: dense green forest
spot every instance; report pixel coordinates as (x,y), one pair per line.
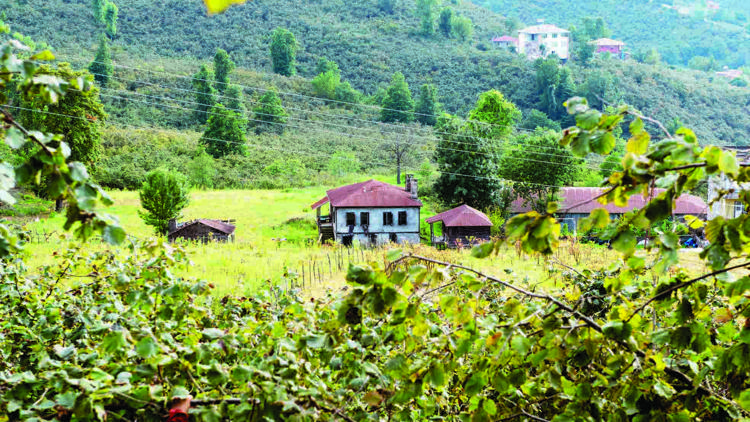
(686,31)
(151,101)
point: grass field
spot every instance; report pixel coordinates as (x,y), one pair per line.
(254,259)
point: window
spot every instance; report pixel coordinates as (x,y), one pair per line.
(393,238)
(402,218)
(364,218)
(387,218)
(739,208)
(351,219)
(554,35)
(373,239)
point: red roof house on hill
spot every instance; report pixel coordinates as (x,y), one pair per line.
(579,202)
(371,212)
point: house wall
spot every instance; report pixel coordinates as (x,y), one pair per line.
(404,234)
(557,43)
(725,206)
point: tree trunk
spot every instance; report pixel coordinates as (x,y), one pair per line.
(398,169)
(58,204)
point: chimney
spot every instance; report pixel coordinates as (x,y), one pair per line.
(172,225)
(408,178)
(414,189)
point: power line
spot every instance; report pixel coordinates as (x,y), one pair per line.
(292,151)
(337,133)
(246,114)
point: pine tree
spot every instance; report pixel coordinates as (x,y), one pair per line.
(164,195)
(225,133)
(283,52)
(223,66)
(566,91)
(397,104)
(205,95)
(445,22)
(235,100)
(426,12)
(270,112)
(110,18)
(102,67)
(427,107)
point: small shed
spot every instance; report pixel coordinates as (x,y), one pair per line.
(461,226)
(202,230)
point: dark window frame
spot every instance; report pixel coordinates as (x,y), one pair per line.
(364,218)
(387,218)
(351,219)
(403,216)
(393,238)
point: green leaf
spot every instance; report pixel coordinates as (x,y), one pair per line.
(180,392)
(521,345)
(728,163)
(745,400)
(45,56)
(663,389)
(437,375)
(394,254)
(576,105)
(603,144)
(66,400)
(147,347)
(638,143)
(114,341)
(483,251)
(636,126)
(317,341)
(213,333)
(625,242)
(490,407)
(78,172)
(15,138)
(475,383)
(113,234)
(589,119)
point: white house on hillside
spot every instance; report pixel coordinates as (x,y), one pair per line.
(544,40)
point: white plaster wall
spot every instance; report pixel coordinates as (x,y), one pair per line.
(408,233)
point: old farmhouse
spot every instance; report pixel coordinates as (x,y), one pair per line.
(544,40)
(462,226)
(201,230)
(729,205)
(371,213)
(579,202)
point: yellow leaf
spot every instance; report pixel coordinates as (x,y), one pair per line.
(218,6)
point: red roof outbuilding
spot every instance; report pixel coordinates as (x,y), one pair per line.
(371,193)
(583,201)
(463,216)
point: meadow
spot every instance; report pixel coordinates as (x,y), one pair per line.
(257,258)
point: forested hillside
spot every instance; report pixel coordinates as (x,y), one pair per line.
(687,30)
(157,49)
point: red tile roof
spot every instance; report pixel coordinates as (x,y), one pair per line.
(506,38)
(686,204)
(463,216)
(371,193)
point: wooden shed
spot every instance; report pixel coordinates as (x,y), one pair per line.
(202,230)
(462,226)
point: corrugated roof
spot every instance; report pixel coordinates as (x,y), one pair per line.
(685,204)
(463,216)
(214,224)
(544,29)
(371,193)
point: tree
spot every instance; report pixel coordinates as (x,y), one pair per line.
(225,133)
(204,93)
(110,18)
(426,12)
(347,94)
(164,195)
(235,100)
(102,67)
(201,170)
(324,65)
(398,143)
(494,116)
(270,115)
(468,165)
(283,52)
(538,119)
(223,66)
(537,164)
(98,7)
(82,132)
(547,84)
(445,22)
(325,84)
(343,163)
(427,107)
(566,90)
(462,27)
(397,104)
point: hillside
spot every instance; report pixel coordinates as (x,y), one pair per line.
(369,45)
(686,30)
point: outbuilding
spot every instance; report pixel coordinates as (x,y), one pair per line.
(202,230)
(462,226)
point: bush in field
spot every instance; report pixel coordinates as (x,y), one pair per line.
(202,171)
(163,195)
